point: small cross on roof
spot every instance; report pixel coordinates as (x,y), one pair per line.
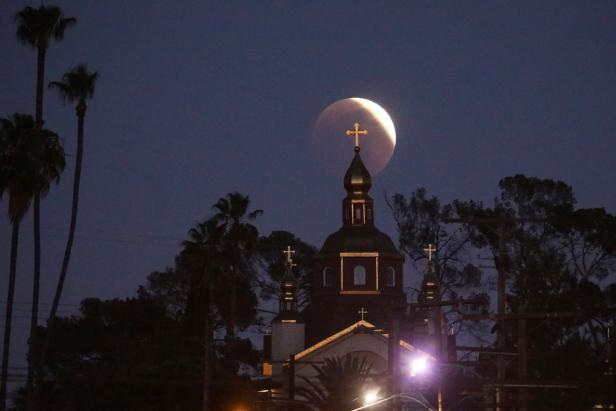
(430,250)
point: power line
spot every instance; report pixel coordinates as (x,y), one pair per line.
(21,302)
(113,233)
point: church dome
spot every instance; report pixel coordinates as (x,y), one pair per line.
(358,233)
(358,239)
(357,179)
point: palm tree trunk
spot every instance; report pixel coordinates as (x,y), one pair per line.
(207,347)
(40,80)
(9,314)
(71,234)
(232,313)
(36,285)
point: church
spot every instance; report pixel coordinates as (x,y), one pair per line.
(357,286)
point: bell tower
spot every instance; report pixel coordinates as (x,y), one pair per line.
(358,266)
(357,207)
(288,327)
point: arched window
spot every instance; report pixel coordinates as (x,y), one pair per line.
(359,217)
(359,275)
(328,277)
(390,277)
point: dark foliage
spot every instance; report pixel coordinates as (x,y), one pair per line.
(272,261)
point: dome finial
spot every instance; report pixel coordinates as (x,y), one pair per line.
(356,133)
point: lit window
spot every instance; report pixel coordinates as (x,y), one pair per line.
(390,276)
(359,275)
(328,277)
(358,215)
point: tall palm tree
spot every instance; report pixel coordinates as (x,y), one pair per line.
(241,239)
(37,27)
(77,85)
(202,254)
(217,251)
(31,158)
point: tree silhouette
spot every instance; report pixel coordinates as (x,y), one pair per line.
(31,158)
(272,262)
(340,383)
(218,255)
(36,27)
(77,85)
(240,243)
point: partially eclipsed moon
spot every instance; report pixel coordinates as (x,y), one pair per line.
(334,148)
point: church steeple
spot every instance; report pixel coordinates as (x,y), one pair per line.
(357,207)
(429,286)
(288,286)
(287,303)
(358,266)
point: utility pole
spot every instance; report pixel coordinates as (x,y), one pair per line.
(501,342)
(394,361)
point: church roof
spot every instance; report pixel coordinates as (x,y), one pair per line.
(359,326)
(365,238)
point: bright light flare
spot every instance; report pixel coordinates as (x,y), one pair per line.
(419,365)
(371,397)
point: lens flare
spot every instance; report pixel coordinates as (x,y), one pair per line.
(419,365)
(371,397)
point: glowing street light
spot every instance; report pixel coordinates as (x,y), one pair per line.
(371,397)
(419,365)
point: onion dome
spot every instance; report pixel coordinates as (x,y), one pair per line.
(357,179)
(358,233)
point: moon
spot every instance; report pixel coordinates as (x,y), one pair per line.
(334,148)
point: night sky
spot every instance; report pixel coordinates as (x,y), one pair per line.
(197,99)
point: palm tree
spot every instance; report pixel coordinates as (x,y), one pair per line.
(31,158)
(340,383)
(202,254)
(77,85)
(214,254)
(37,27)
(241,239)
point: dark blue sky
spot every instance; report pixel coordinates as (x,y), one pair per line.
(197,99)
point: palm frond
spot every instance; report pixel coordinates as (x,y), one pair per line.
(35,27)
(77,84)
(32,159)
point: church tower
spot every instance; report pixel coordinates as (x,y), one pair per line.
(358,269)
(288,327)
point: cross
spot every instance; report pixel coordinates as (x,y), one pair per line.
(362,312)
(289,252)
(430,250)
(356,133)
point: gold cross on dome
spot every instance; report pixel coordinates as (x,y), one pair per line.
(356,133)
(362,312)
(430,250)
(289,252)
